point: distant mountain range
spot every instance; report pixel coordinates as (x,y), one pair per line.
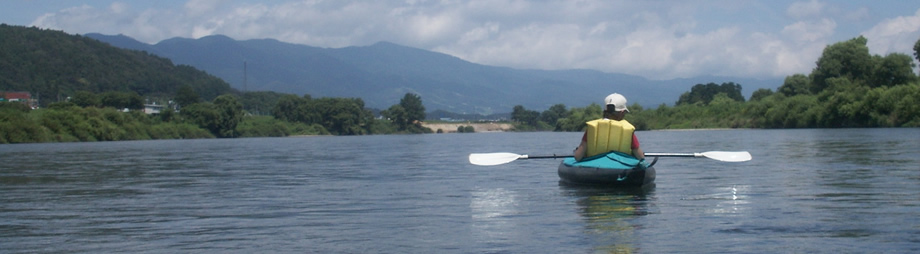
(381,74)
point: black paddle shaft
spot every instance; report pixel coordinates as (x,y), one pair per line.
(548,156)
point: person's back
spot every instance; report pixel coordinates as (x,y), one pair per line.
(612,133)
(606,135)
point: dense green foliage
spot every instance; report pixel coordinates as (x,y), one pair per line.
(565,120)
(66,122)
(186,96)
(341,116)
(848,88)
(53,65)
(706,93)
(466,129)
(524,116)
(267,126)
(348,116)
(224,117)
(220,117)
(407,115)
(128,100)
(259,103)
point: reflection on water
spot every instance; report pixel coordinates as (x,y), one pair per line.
(609,214)
(490,210)
(729,200)
(733,200)
(492,203)
(493,213)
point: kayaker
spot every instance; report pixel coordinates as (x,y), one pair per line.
(613,130)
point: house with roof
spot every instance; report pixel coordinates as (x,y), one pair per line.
(153,108)
(21,97)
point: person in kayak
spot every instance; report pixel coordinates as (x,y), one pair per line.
(612,133)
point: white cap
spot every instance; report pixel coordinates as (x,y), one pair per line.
(617,100)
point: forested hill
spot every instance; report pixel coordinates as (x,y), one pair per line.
(53,65)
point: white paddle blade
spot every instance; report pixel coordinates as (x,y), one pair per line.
(728,156)
(492,159)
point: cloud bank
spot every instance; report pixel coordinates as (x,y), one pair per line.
(654,39)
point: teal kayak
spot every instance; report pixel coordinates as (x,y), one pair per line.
(614,169)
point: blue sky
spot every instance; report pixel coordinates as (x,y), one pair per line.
(657,39)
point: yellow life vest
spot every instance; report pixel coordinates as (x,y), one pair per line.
(605,135)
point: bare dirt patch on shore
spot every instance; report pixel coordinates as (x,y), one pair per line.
(477,127)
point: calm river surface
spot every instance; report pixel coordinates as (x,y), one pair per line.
(805,191)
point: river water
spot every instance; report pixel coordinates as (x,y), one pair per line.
(805,191)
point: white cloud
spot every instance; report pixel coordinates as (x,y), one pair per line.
(479,33)
(810,31)
(896,35)
(651,45)
(119,7)
(658,40)
(202,7)
(425,28)
(803,10)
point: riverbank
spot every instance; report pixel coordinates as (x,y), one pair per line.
(477,127)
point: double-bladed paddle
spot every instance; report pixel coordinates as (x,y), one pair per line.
(492,159)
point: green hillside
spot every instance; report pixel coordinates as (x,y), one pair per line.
(91,91)
(82,85)
(53,65)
